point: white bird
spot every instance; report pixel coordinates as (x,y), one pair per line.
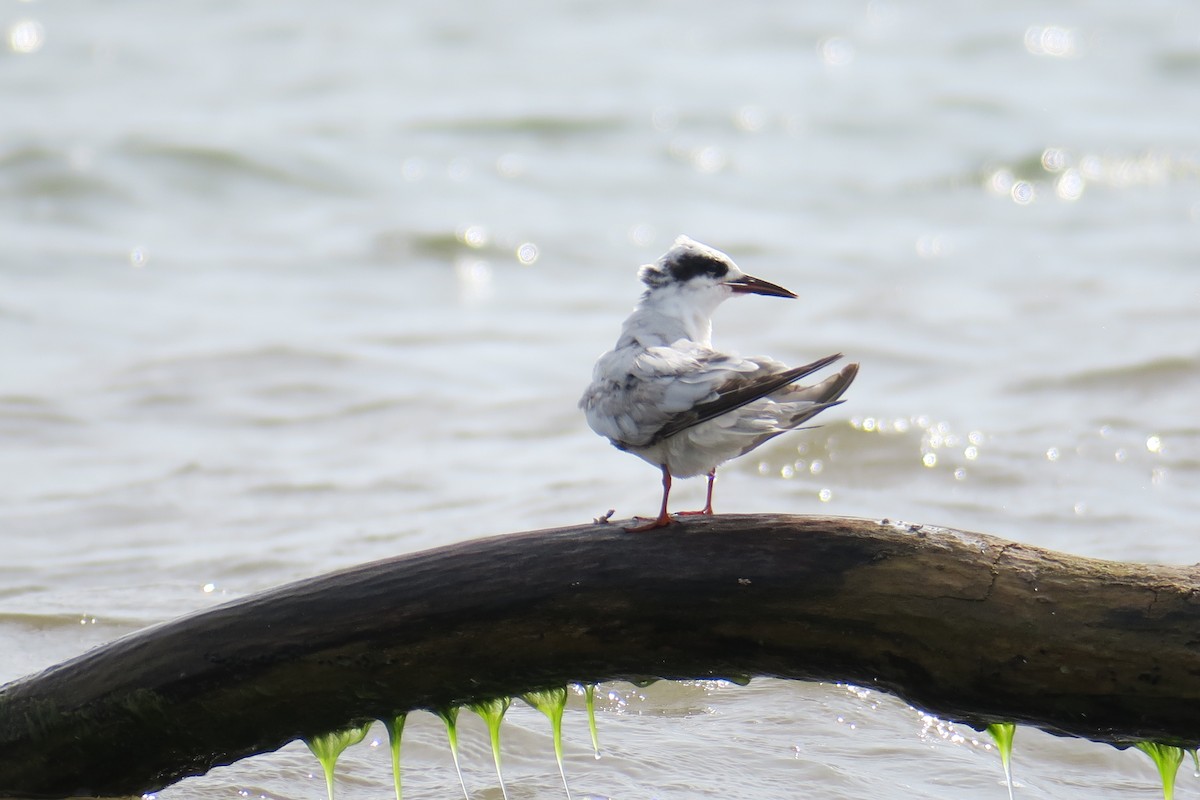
(665,395)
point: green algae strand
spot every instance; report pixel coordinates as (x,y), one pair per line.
(492,711)
(1002,734)
(552,703)
(395,729)
(327,747)
(589,695)
(1167,758)
(449,716)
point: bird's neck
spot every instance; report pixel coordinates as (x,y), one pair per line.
(668,319)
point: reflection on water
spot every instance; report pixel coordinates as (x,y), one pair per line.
(286,292)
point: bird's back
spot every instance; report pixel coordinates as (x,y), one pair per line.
(640,395)
(637,390)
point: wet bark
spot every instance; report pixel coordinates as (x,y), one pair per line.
(967,626)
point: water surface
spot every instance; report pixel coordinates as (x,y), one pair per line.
(288,289)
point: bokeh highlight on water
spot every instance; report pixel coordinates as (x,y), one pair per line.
(287,288)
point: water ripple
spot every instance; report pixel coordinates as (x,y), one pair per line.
(1152,376)
(546,125)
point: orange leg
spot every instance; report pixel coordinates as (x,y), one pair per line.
(664,519)
(707,510)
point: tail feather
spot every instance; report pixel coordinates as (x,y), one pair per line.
(827,391)
(815,398)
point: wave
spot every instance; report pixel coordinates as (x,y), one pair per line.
(543,124)
(60,173)
(43,622)
(257,361)
(30,408)
(1147,377)
(220,165)
(1065,173)
(71,172)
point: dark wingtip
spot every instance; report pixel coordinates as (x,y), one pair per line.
(820,363)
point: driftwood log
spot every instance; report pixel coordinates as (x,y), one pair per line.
(967,626)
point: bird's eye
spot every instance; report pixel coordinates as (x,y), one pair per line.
(694,265)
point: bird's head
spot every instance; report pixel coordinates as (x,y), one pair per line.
(700,277)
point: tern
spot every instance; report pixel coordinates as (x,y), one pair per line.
(665,395)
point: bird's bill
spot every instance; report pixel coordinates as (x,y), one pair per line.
(751,285)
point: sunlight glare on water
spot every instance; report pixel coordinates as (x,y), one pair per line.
(26,36)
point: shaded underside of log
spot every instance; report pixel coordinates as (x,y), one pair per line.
(964,625)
